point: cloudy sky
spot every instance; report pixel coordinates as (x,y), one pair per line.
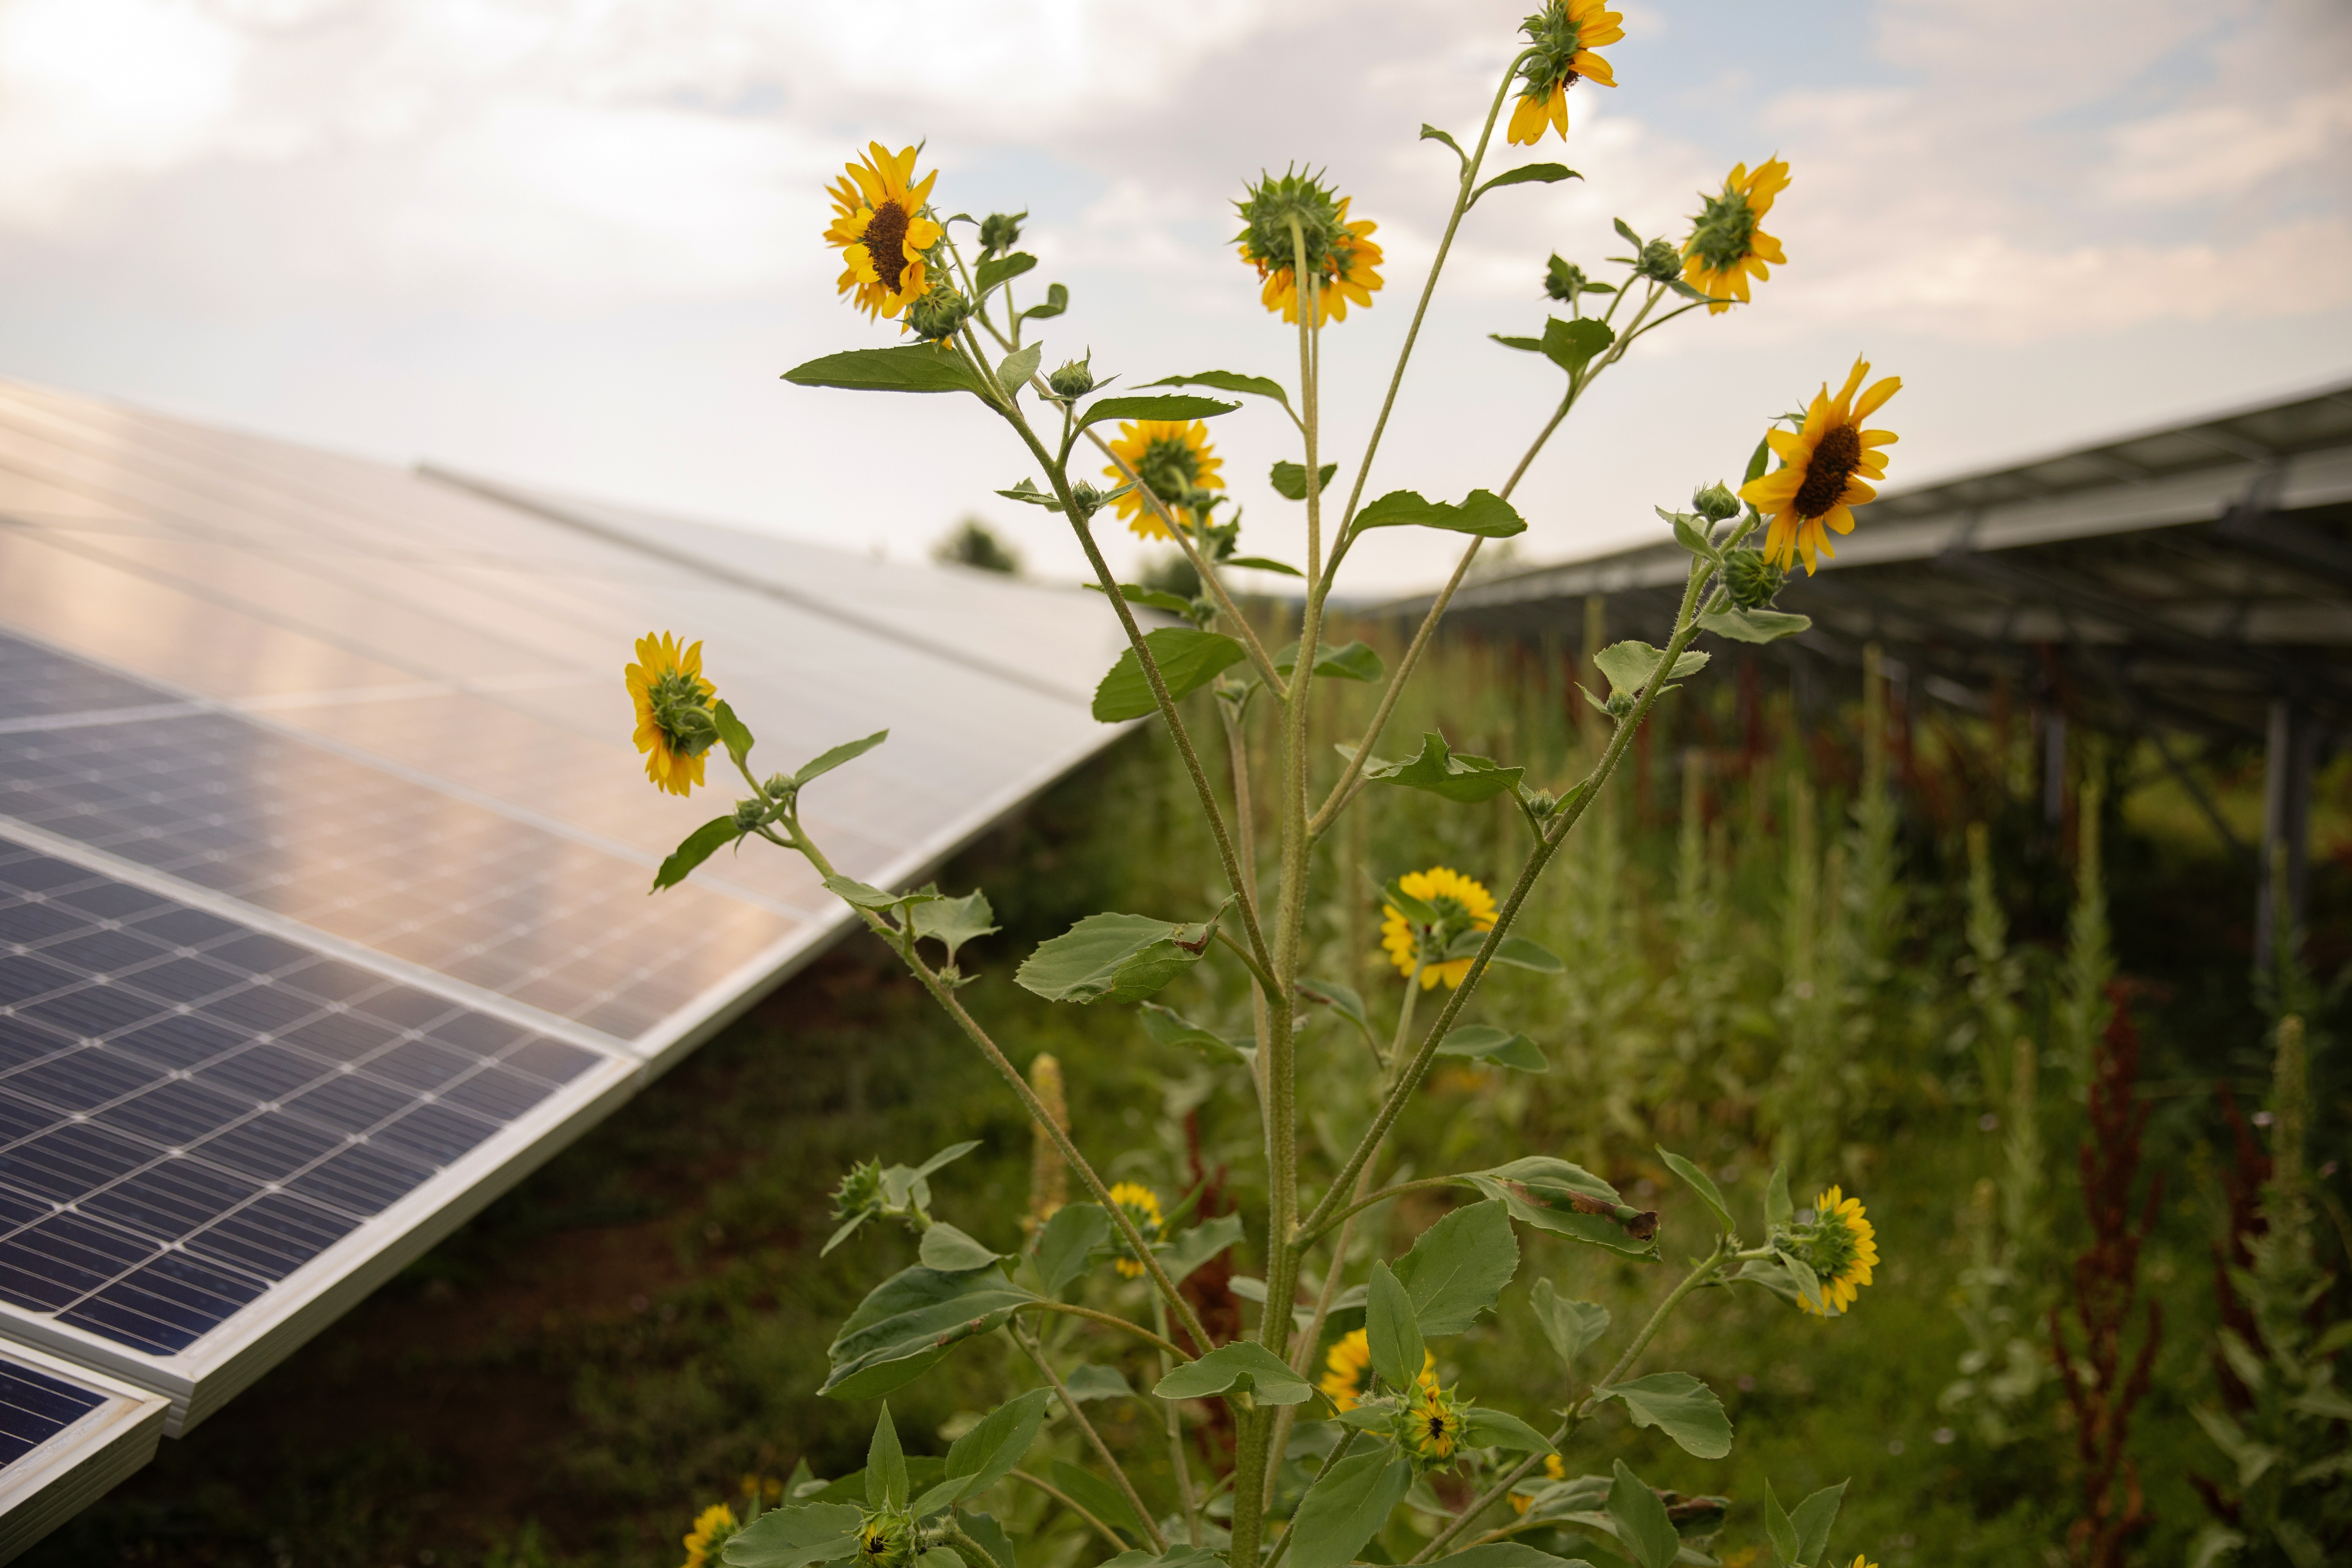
(574,242)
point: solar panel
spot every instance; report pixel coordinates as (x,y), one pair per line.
(67,1436)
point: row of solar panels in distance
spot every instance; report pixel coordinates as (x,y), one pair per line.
(191,1109)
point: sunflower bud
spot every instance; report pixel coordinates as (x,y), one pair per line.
(887,1538)
(1564,280)
(750,814)
(1715,502)
(1660,261)
(860,1192)
(1429,1428)
(1000,232)
(1086,499)
(1075,379)
(1619,704)
(939,314)
(1753,580)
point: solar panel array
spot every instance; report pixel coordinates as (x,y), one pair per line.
(324,850)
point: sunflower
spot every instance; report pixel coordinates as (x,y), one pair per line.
(1341,255)
(1142,1206)
(1170,456)
(1462,905)
(1842,1246)
(711,1530)
(1563,35)
(1430,1425)
(879,222)
(1347,1369)
(1822,467)
(673,723)
(1726,246)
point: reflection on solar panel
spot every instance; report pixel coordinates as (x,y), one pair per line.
(323,850)
(66,1436)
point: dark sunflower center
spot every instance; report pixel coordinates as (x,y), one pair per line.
(886,242)
(1169,467)
(1436,1427)
(1835,462)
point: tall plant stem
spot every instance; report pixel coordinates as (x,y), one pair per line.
(1077,1412)
(1187,1504)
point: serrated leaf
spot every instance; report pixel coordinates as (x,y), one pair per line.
(1121,958)
(1754,626)
(1392,1330)
(1452,775)
(1088,1382)
(1643,1527)
(1526,175)
(1068,1243)
(1341,999)
(1573,345)
(1012,372)
(1520,953)
(1458,1267)
(847,751)
(1778,1533)
(1348,661)
(1568,1200)
(867,896)
(909,1321)
(1181,1257)
(1058,300)
(1260,564)
(1691,532)
(1289,480)
(794,1536)
(1349,1502)
(1243,1366)
(1681,1406)
(698,847)
(1572,1327)
(1027,491)
(1482,1042)
(999,268)
(1812,1519)
(1230,381)
(915,367)
(951,1251)
(1481,513)
(988,1453)
(1169,1027)
(1702,1184)
(951,922)
(1631,666)
(1188,660)
(1172,406)
(1486,1428)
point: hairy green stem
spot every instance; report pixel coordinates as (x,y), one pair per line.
(1111,1320)
(1187,1504)
(972,1550)
(1077,1412)
(1074,1506)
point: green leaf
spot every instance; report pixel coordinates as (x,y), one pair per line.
(946,1157)
(1176,406)
(1447,774)
(1526,175)
(916,367)
(1012,372)
(1644,1528)
(1754,626)
(1174,604)
(1812,1519)
(1341,999)
(1778,1210)
(1690,533)
(1525,345)
(1393,895)
(1681,1406)
(992,1537)
(1393,1330)
(1482,1042)
(1758,461)
(909,1321)
(1431,133)
(1348,1503)
(951,922)
(1188,660)
(847,751)
(950,1250)
(1625,233)
(698,846)
(1123,958)
(1630,666)
(1572,1327)
(1098,1497)
(1805,1282)
(1519,953)
(1506,1555)
(794,1536)
(1703,1185)
(1088,1382)
(1289,480)
(1260,564)
(1485,1428)
(1481,513)
(1229,381)
(1571,344)
(885,1463)
(1243,1367)
(733,733)
(1176,1557)
(867,896)
(1068,1243)
(1568,1200)
(1058,300)
(1348,661)
(1027,490)
(1779,1532)
(998,269)
(1458,1267)
(1180,1258)
(1169,1027)
(987,1454)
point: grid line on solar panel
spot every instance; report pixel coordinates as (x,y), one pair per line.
(239,1104)
(36,1407)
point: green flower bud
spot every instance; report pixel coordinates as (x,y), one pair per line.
(1564,280)
(1715,502)
(1075,379)
(887,1538)
(1752,581)
(1660,261)
(938,314)
(1089,500)
(1000,232)
(750,814)
(860,1191)
(1619,704)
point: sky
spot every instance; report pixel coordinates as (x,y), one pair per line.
(575,243)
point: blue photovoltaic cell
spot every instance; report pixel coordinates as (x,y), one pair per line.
(36,1407)
(191,1109)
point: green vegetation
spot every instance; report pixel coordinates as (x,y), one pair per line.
(643,1324)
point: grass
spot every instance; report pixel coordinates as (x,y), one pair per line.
(640,1325)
